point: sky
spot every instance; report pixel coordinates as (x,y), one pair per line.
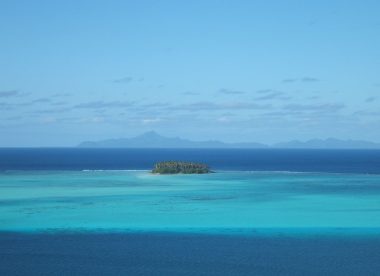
(236,71)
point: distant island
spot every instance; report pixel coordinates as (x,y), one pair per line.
(152,139)
(180,167)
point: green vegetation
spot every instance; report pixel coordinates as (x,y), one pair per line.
(174,167)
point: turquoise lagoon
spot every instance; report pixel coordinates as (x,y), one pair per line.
(225,202)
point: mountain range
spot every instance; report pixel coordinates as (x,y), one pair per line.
(152,139)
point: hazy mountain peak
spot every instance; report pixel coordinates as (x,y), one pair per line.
(152,139)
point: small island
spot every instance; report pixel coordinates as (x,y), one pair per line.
(180,167)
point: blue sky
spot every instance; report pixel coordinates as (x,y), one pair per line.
(265,71)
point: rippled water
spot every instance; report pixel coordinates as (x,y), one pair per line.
(66,212)
(223,201)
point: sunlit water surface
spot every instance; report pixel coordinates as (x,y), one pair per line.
(226,202)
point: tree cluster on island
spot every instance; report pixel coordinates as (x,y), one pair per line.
(180,167)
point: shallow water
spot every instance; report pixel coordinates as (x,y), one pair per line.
(225,202)
(226,223)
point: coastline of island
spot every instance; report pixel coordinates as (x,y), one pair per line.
(180,167)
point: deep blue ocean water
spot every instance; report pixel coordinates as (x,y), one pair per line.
(264,212)
(296,160)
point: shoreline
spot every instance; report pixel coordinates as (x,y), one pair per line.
(217,171)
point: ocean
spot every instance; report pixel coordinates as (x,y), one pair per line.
(263,212)
(296,160)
